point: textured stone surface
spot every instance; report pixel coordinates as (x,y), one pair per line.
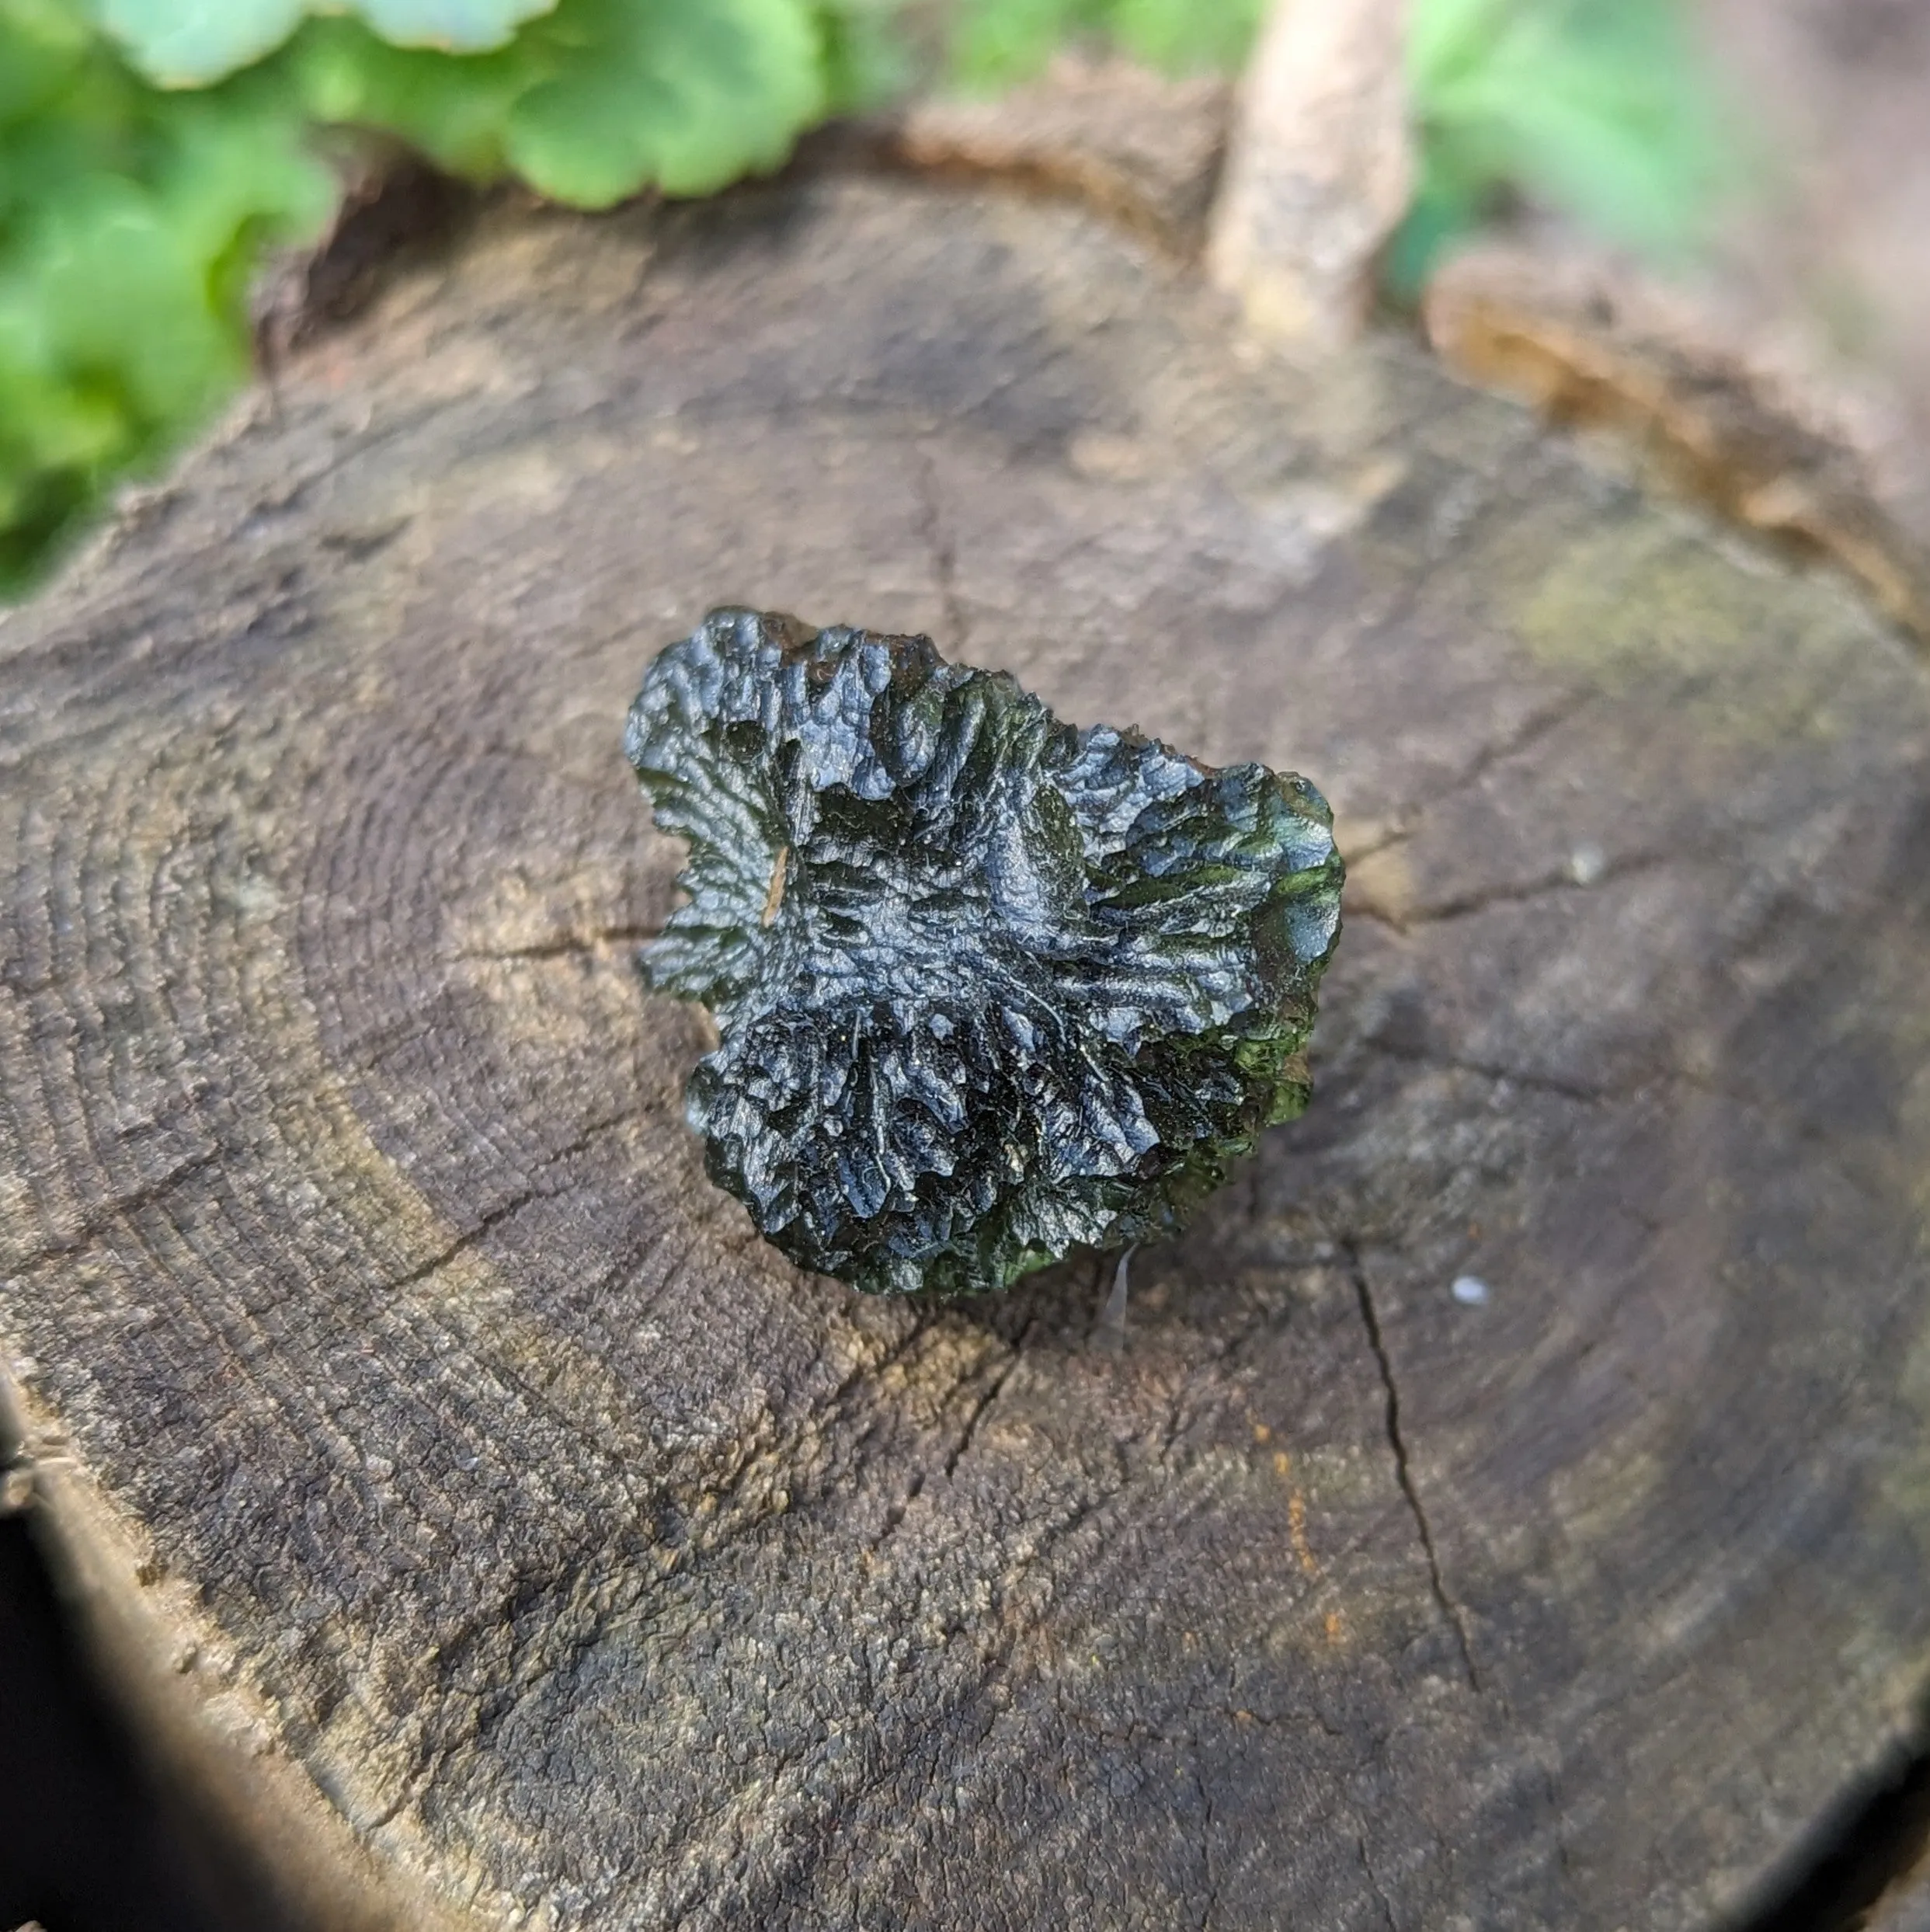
(520,1520)
(989,987)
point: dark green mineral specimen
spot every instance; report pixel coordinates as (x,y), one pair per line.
(987,986)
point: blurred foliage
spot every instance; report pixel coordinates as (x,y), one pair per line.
(133,215)
(591,102)
(129,223)
(152,150)
(1602,109)
(188,42)
(995,43)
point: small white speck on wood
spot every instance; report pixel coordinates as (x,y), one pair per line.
(1470,1290)
(1586,864)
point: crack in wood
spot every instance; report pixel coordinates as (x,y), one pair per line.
(986,1400)
(149,1194)
(503,1210)
(565,944)
(1573,1090)
(1373,1882)
(1406,819)
(1519,891)
(1403,1473)
(1211,1905)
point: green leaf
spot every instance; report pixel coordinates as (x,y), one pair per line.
(660,91)
(1187,37)
(190,43)
(1601,109)
(1447,37)
(1443,210)
(128,221)
(458,26)
(866,59)
(42,46)
(592,102)
(455,109)
(131,219)
(995,43)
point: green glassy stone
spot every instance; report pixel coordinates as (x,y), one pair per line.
(987,986)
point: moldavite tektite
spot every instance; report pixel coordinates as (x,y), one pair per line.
(986,987)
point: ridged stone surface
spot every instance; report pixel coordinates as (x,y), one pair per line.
(989,987)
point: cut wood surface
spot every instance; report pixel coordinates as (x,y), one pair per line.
(471,1499)
(1906,1909)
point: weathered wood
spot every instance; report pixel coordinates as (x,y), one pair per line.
(1906,1909)
(389,1367)
(1319,170)
(1143,151)
(1697,395)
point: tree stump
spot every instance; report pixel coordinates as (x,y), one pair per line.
(1510,1509)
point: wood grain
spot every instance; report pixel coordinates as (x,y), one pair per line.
(497,1515)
